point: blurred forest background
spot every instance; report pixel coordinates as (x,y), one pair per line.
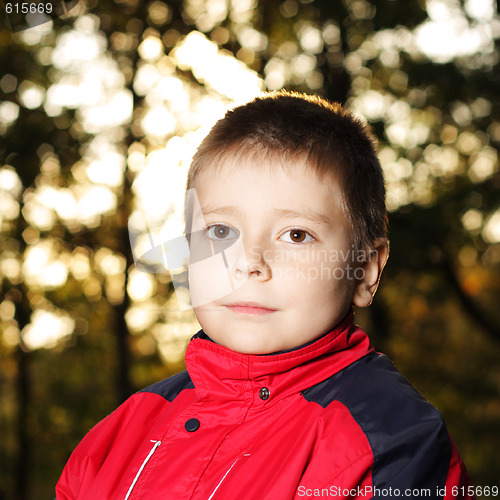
(100,112)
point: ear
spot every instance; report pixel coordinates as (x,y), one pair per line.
(368,280)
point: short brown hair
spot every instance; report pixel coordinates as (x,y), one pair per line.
(289,124)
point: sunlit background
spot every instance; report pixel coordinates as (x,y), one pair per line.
(100,114)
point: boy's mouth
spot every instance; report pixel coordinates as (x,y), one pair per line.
(250,308)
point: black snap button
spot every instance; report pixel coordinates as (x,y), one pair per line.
(193,424)
(264,393)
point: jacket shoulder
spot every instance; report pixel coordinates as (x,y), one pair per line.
(371,387)
(405,432)
(171,387)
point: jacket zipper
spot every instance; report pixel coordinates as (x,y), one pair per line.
(139,472)
(223,477)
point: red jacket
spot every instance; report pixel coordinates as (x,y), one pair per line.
(332,418)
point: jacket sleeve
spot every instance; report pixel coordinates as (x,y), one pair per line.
(88,457)
(418,460)
(408,452)
(426,471)
(412,451)
(426,465)
(458,483)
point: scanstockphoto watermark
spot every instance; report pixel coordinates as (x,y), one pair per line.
(389,492)
(364,491)
(308,253)
(308,274)
(221,266)
(24,15)
(307,263)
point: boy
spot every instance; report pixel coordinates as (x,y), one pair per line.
(283,396)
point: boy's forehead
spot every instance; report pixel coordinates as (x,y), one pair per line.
(293,184)
(259,160)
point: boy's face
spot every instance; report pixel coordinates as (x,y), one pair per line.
(291,265)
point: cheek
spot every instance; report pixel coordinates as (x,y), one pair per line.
(304,282)
(210,280)
(318,283)
(311,271)
(209,322)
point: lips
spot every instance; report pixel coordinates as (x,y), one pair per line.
(250,308)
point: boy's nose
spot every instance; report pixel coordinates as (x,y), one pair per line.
(259,270)
(251,263)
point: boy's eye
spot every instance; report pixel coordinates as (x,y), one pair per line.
(296,236)
(222,232)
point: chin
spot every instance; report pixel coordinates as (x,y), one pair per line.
(247,345)
(248,348)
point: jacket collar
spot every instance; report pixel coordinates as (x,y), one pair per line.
(218,372)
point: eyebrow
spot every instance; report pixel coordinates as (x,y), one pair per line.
(287,213)
(310,215)
(225,210)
